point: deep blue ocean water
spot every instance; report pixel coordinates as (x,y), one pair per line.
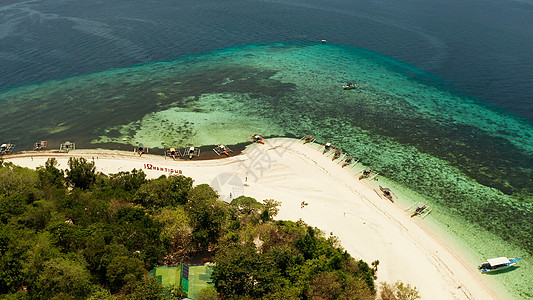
(480,48)
(443,107)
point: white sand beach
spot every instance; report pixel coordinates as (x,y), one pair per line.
(368,226)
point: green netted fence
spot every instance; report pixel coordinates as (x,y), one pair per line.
(192,279)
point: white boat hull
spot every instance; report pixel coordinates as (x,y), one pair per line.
(487,268)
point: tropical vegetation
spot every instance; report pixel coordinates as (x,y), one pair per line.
(79,234)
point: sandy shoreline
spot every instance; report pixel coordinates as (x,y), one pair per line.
(369,227)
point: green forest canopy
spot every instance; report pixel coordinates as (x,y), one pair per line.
(76,234)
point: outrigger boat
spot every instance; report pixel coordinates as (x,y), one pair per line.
(348,161)
(327,147)
(340,159)
(349,86)
(308,139)
(67,146)
(40,145)
(172,152)
(337,154)
(419,209)
(368,174)
(222,149)
(6,148)
(387,193)
(191,152)
(140,149)
(497,264)
(256,138)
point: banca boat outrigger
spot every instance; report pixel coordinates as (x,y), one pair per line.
(6,148)
(349,86)
(336,154)
(368,174)
(191,152)
(67,147)
(141,149)
(349,161)
(172,153)
(256,138)
(387,193)
(40,146)
(419,209)
(222,149)
(308,139)
(327,147)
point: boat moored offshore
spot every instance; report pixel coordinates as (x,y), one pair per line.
(349,86)
(496,264)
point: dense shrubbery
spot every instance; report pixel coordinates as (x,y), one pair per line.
(78,235)
(287,260)
(399,291)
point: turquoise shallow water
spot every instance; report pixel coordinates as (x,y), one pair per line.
(473,163)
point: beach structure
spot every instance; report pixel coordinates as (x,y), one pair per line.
(256,138)
(191,278)
(419,209)
(6,148)
(368,174)
(387,193)
(67,146)
(308,139)
(222,149)
(497,264)
(140,149)
(190,152)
